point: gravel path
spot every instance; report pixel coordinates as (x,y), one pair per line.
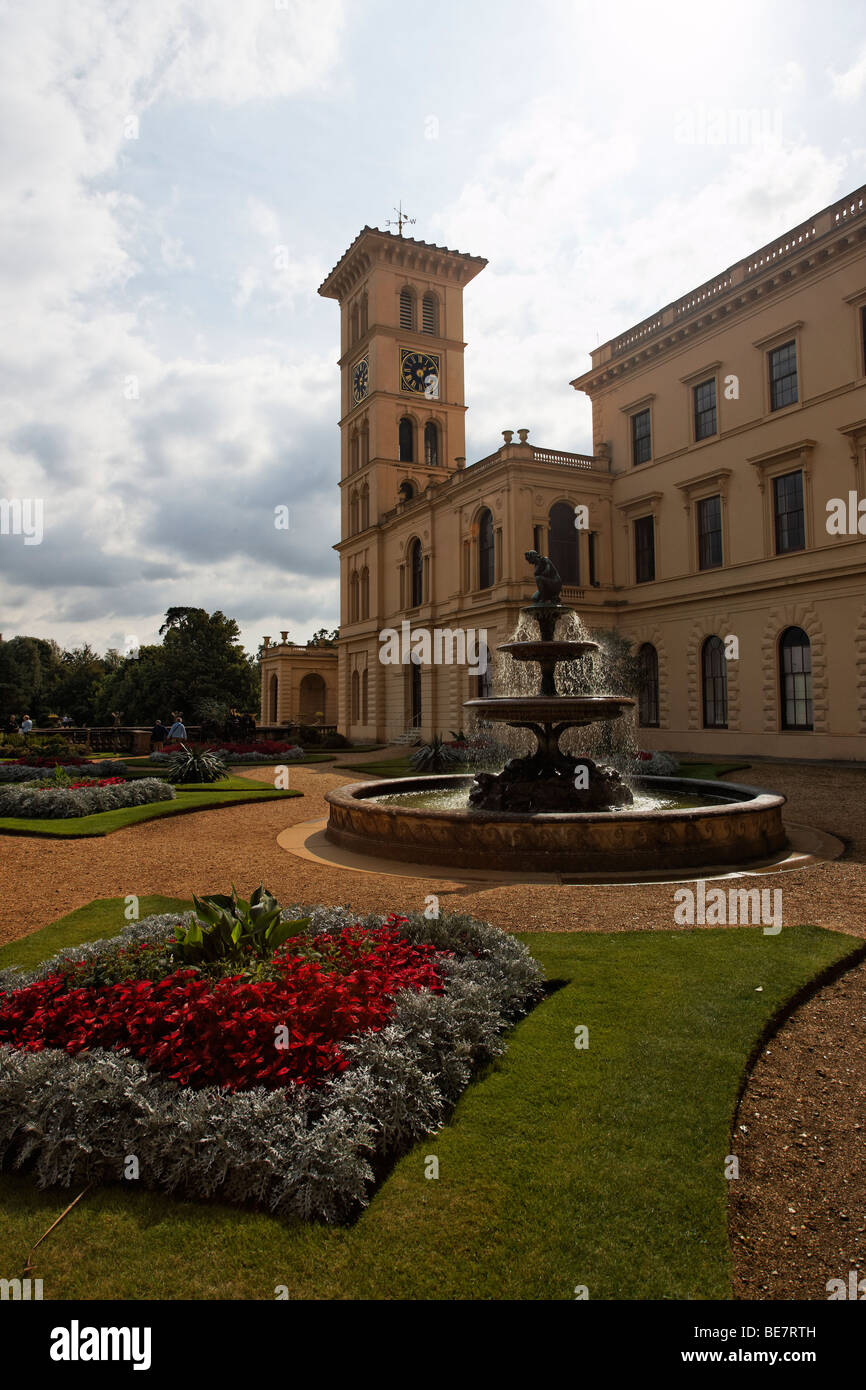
(41,879)
(798,1209)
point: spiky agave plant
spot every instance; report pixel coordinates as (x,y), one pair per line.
(434,756)
(195,765)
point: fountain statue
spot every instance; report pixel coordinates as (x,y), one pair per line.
(549,780)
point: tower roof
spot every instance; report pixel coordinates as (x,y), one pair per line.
(372,245)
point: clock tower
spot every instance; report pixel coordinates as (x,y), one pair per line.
(402,408)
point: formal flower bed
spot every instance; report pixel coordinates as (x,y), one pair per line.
(60,802)
(25,770)
(283,1077)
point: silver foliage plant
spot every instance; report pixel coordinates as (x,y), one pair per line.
(300,1152)
(58,803)
(105,767)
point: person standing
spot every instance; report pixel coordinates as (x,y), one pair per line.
(177,730)
(157,736)
(26,725)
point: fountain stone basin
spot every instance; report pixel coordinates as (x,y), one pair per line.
(745,829)
(554,651)
(571,711)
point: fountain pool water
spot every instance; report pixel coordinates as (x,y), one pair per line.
(553,811)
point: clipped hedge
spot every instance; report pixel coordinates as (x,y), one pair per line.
(28,772)
(60,803)
(304,1151)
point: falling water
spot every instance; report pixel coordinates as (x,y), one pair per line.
(605,672)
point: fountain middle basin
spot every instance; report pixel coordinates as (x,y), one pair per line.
(736,826)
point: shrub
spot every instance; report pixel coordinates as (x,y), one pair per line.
(28,772)
(33,803)
(309,734)
(435,756)
(230,928)
(195,765)
(655,765)
(336,741)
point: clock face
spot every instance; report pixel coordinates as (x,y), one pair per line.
(360,380)
(419,371)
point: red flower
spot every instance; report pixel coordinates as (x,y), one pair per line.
(234,1032)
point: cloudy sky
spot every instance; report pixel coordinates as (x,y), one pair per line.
(177,177)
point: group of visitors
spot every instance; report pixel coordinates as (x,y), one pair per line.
(159,734)
(13,727)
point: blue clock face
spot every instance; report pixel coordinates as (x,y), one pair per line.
(360,380)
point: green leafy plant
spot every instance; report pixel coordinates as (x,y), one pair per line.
(435,756)
(231,928)
(195,765)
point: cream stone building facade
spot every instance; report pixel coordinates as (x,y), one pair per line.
(299,684)
(729,435)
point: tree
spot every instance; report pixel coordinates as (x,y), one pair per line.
(324,638)
(200,659)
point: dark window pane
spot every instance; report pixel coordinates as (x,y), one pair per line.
(715,684)
(407,309)
(592,537)
(790,521)
(417,574)
(648,686)
(641,444)
(644,550)
(795,679)
(705,409)
(783,376)
(709,532)
(486,567)
(563,549)
(407,441)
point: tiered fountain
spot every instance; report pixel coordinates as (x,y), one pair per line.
(551,812)
(549,780)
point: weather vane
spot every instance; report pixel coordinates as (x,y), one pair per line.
(401,218)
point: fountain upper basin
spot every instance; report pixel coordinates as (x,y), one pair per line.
(745,828)
(574,710)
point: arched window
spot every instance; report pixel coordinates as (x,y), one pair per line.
(273,694)
(406,490)
(406,435)
(795,679)
(486,553)
(648,687)
(364,437)
(353,512)
(313,694)
(407,308)
(416,570)
(354,451)
(354,323)
(563,542)
(430,313)
(365,506)
(715,684)
(362,314)
(431,444)
(356,697)
(364,695)
(415,669)
(353,597)
(365,593)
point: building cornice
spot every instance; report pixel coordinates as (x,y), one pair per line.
(803,251)
(375,247)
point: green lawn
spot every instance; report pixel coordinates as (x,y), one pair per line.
(195,796)
(601,1167)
